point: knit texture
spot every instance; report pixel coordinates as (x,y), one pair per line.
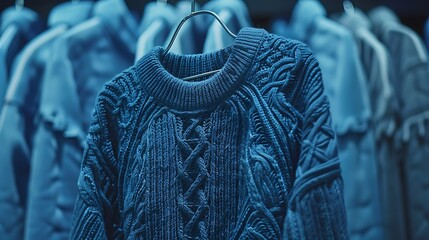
(248,153)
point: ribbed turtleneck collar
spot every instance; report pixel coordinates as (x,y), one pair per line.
(161,78)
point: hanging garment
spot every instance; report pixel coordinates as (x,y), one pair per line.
(3,73)
(426,33)
(346,88)
(247,153)
(157,22)
(237,7)
(234,14)
(379,71)
(410,63)
(17,28)
(3,68)
(81,61)
(18,117)
(376,61)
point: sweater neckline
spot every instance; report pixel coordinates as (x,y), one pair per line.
(161,77)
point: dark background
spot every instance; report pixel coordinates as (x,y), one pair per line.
(412,13)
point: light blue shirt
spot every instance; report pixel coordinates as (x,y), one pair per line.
(158,20)
(410,80)
(234,14)
(426,32)
(189,39)
(17,28)
(81,61)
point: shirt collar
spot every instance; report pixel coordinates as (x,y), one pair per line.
(154,11)
(356,20)
(25,18)
(303,17)
(383,14)
(237,7)
(380,16)
(70,13)
(119,21)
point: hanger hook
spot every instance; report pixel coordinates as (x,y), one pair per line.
(19,4)
(193,14)
(348,7)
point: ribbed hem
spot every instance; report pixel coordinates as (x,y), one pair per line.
(161,78)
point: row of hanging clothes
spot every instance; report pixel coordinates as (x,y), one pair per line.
(373,67)
(375,71)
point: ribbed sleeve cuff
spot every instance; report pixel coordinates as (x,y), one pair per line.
(316,208)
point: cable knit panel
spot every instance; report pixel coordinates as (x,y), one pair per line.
(248,153)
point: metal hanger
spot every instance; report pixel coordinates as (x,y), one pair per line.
(191,15)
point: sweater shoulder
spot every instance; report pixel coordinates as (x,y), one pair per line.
(115,103)
(287,47)
(277,53)
(122,88)
(287,65)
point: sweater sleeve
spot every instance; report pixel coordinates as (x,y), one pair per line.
(316,206)
(94,213)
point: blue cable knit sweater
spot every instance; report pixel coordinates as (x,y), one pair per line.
(248,153)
